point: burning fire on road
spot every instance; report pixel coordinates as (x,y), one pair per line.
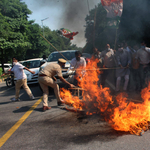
(118,111)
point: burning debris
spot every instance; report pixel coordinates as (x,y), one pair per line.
(121,113)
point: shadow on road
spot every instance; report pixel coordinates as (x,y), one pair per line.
(73,130)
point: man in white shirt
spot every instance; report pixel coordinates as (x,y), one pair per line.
(108,56)
(21,79)
(78,63)
(143,55)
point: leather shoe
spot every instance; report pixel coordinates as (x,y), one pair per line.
(60,103)
(46,108)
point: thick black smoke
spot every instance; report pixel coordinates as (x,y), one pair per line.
(135,21)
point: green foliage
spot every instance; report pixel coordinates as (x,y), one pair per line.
(97,33)
(1,71)
(133,27)
(21,38)
(14,24)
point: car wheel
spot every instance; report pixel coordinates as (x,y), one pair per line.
(9,82)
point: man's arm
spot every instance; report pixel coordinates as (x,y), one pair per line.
(118,60)
(33,72)
(66,82)
(129,58)
(102,54)
(9,72)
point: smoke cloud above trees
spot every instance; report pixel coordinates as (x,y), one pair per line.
(72,14)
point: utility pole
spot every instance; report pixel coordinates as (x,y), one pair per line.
(88,7)
(42,25)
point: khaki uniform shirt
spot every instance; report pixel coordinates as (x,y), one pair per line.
(51,70)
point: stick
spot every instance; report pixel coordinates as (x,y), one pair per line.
(55,49)
(96,69)
(77,89)
(131,100)
(94,27)
(116,38)
(134,100)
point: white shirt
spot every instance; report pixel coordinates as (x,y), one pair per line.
(18,71)
(76,64)
(108,56)
(143,55)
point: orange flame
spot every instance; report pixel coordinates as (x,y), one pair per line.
(122,114)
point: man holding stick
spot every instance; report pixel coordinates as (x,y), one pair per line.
(108,56)
(78,63)
(123,60)
(46,78)
(143,55)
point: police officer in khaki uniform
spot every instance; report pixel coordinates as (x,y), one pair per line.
(46,78)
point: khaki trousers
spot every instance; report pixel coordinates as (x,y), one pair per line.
(45,82)
(19,83)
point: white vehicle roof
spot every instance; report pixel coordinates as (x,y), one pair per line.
(6,64)
(31,59)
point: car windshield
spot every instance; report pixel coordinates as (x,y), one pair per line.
(56,56)
(6,66)
(31,64)
(86,55)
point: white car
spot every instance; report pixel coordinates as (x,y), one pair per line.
(7,66)
(53,58)
(33,65)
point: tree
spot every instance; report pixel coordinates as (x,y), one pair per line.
(133,27)
(97,33)
(13,38)
(21,38)
(38,45)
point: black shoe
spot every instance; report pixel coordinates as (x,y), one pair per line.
(60,103)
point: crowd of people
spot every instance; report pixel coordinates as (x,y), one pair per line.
(125,62)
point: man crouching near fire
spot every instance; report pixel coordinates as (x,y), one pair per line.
(46,78)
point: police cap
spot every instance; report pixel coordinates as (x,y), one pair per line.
(61,60)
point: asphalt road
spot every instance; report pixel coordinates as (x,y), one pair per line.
(57,129)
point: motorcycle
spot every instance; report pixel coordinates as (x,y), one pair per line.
(10,80)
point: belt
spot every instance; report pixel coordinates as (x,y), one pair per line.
(42,75)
